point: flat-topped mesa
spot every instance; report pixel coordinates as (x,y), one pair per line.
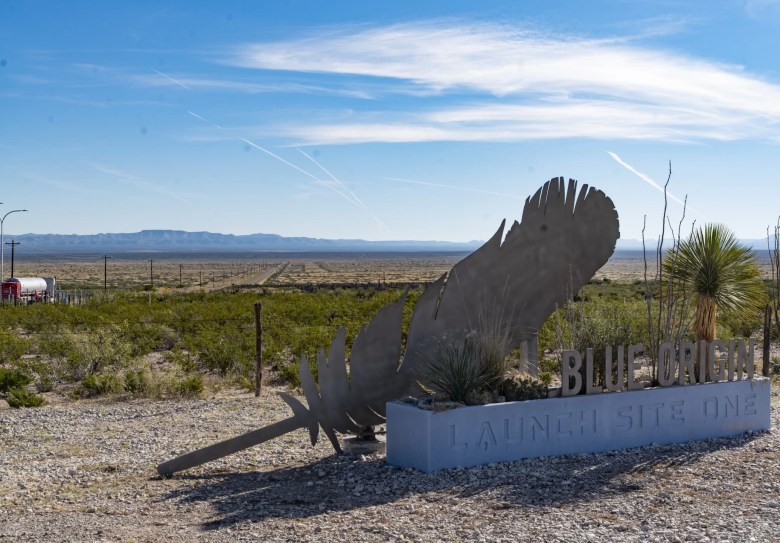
(690,364)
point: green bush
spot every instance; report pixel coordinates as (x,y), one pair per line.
(100,385)
(21,397)
(189,387)
(774,366)
(95,351)
(735,325)
(206,331)
(545,377)
(522,387)
(136,383)
(288,373)
(12,379)
(600,323)
(12,347)
(225,351)
(44,383)
(55,345)
(181,358)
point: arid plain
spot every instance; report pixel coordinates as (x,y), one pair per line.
(174,271)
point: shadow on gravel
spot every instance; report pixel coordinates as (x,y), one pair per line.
(343,483)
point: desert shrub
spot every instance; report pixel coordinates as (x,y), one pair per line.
(549,364)
(21,397)
(522,387)
(94,351)
(181,358)
(11,378)
(546,377)
(600,323)
(288,373)
(206,331)
(736,325)
(462,370)
(12,346)
(100,385)
(55,345)
(224,351)
(137,382)
(44,383)
(775,366)
(147,337)
(547,338)
(188,387)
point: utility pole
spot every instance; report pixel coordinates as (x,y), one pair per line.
(200,274)
(151,273)
(180,283)
(105,272)
(13,244)
(2,247)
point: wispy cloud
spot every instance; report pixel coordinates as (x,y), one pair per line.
(64,186)
(525,84)
(452,187)
(141,184)
(238,86)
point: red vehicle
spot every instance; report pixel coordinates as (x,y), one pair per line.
(30,289)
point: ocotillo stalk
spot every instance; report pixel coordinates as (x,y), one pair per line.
(302,418)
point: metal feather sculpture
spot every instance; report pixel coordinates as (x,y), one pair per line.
(564,237)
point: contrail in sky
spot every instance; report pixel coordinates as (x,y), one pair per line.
(171,79)
(202,119)
(345,191)
(453,187)
(347,194)
(650,181)
(340,184)
(342,191)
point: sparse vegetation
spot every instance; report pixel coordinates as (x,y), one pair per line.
(522,387)
(12,379)
(21,397)
(171,343)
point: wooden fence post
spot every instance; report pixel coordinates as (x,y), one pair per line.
(258,349)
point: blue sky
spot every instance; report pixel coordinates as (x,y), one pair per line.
(383,120)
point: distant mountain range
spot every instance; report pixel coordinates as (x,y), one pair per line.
(181,241)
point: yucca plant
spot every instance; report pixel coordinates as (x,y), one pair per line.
(722,274)
(459,371)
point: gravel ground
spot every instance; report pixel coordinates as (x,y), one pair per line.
(85,471)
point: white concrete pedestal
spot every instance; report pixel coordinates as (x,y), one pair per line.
(470,436)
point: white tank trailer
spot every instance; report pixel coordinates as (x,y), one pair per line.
(31,289)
